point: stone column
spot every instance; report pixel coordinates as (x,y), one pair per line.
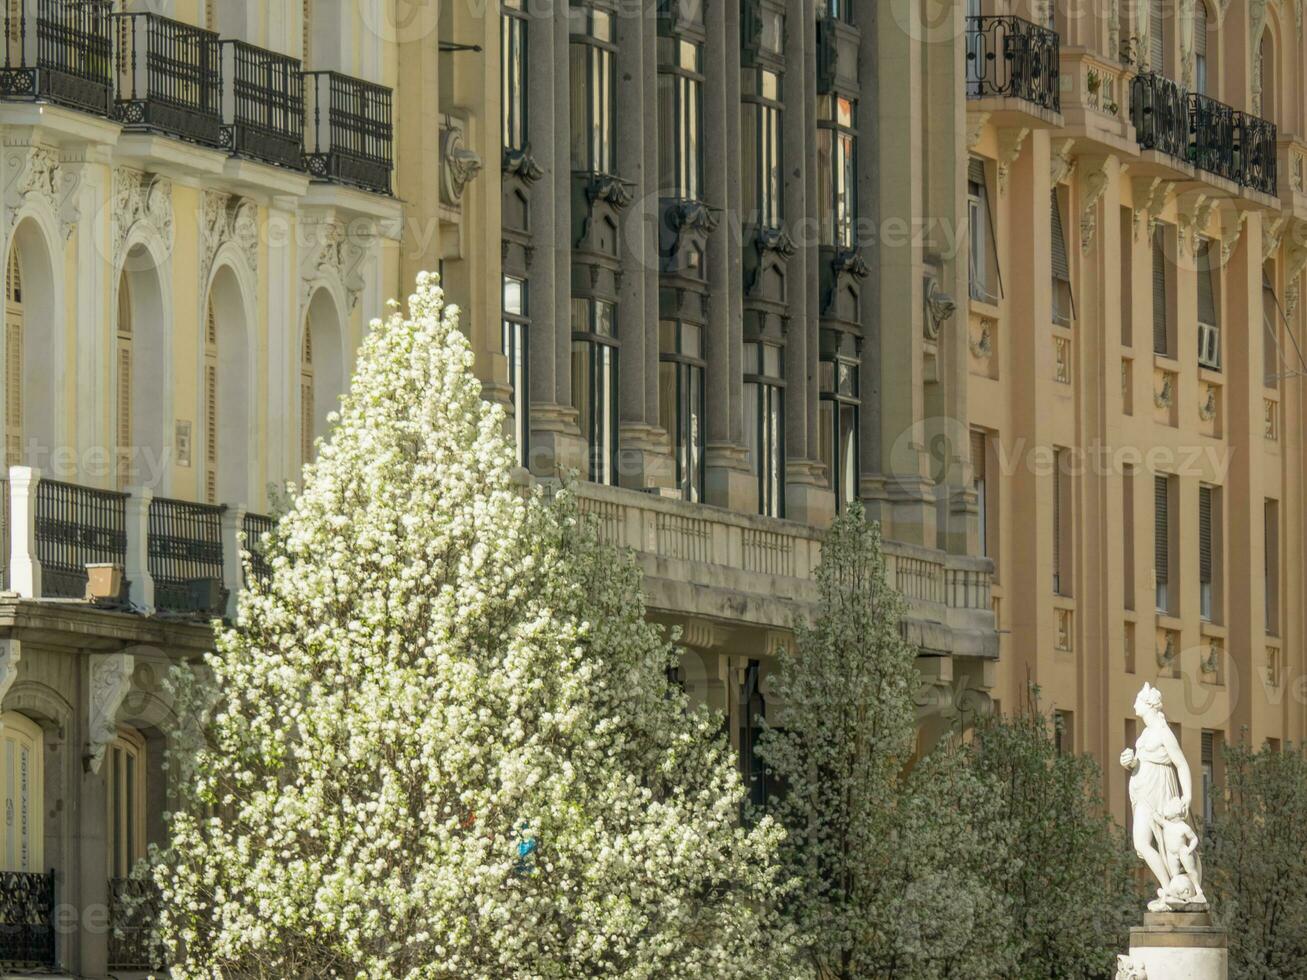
(136,522)
(24,566)
(233,568)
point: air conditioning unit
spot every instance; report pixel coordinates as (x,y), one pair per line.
(1209,346)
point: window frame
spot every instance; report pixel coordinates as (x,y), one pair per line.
(599,352)
(765,423)
(598,133)
(838,216)
(125,826)
(763,116)
(685,84)
(513,107)
(840,349)
(515,344)
(689,369)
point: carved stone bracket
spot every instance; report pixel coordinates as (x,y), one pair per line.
(1271,231)
(1009,148)
(139,198)
(331,252)
(1195,208)
(111,678)
(774,240)
(1093,185)
(610,189)
(1231,229)
(36,172)
(521,164)
(1061,161)
(975,126)
(1149,200)
(227,218)
(940,307)
(11,652)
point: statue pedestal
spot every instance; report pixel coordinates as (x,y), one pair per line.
(1180,946)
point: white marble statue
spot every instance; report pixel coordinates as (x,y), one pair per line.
(1161,798)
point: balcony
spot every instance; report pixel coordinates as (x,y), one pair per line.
(262,105)
(58,54)
(77,526)
(185,549)
(1009,57)
(1204,133)
(168,77)
(27,928)
(348,131)
(133,910)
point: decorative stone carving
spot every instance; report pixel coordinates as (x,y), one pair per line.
(774,240)
(1128,969)
(329,252)
(1009,148)
(975,126)
(1061,161)
(1207,407)
(1195,208)
(982,347)
(1093,185)
(1164,397)
(139,198)
(1272,229)
(1161,799)
(111,678)
(610,189)
(227,218)
(36,173)
(459,164)
(1256,24)
(1149,200)
(940,307)
(11,652)
(1232,223)
(520,163)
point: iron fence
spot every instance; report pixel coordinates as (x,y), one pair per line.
(185,557)
(263,104)
(1159,111)
(1013,57)
(59,53)
(1256,153)
(133,911)
(256,528)
(27,931)
(76,526)
(1212,129)
(168,77)
(348,130)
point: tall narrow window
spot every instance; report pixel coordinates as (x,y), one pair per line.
(753,711)
(838,422)
(308,394)
(836,174)
(1161,294)
(124,769)
(1063,308)
(22,780)
(593,90)
(1162,543)
(211,405)
(594,384)
(681,400)
(123,387)
(512,43)
(1127,240)
(1271,368)
(680,115)
(1211,746)
(1271,577)
(14,359)
(985,503)
(1128,534)
(760,129)
(516,352)
(840,10)
(1209,552)
(764,421)
(1063,524)
(1200,47)
(1206,259)
(1156,36)
(980,231)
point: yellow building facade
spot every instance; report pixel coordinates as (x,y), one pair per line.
(1137,241)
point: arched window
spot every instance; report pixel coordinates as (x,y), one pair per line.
(123,360)
(21,780)
(307,404)
(14,359)
(124,769)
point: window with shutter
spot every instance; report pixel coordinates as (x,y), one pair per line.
(1156,36)
(1206,546)
(1200,47)
(306,397)
(211,403)
(1063,305)
(1061,584)
(1271,364)
(1271,552)
(1162,541)
(123,426)
(1161,318)
(13,361)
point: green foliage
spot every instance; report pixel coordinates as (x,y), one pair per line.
(1256,862)
(891,859)
(1067,874)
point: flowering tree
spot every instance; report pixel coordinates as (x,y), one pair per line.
(891,857)
(1256,864)
(440,742)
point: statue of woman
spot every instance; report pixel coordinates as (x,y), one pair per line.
(1161,794)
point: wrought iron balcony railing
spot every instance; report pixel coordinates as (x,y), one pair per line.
(262,105)
(1256,153)
(1012,57)
(77,525)
(185,557)
(1213,127)
(256,526)
(168,77)
(1159,110)
(349,132)
(133,911)
(58,51)
(27,929)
